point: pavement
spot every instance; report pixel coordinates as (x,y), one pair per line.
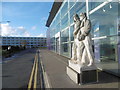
(55,68)
(17,69)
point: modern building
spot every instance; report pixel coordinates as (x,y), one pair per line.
(105,30)
(28,42)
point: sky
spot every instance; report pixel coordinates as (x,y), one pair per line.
(27,19)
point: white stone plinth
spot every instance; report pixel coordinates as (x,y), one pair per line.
(82,74)
(79,68)
(73,75)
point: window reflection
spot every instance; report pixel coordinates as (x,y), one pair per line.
(104,23)
(64,22)
(57,20)
(93,5)
(65,49)
(57,27)
(65,35)
(77,8)
(64,9)
(71,33)
(71,4)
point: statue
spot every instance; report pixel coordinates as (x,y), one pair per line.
(75,33)
(82,48)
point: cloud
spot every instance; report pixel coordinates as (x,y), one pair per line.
(41,35)
(7,30)
(27,34)
(21,27)
(34,27)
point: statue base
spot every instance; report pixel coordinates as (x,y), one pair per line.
(82,74)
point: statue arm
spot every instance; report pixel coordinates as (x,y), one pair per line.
(87,28)
(77,29)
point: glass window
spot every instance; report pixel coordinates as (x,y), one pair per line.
(71,33)
(58,28)
(52,47)
(65,49)
(58,18)
(119,24)
(64,22)
(53,28)
(52,41)
(108,45)
(78,8)
(92,5)
(3,37)
(71,3)
(72,12)
(64,9)
(8,37)
(52,31)
(104,23)
(65,35)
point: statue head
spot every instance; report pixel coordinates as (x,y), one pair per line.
(82,16)
(76,17)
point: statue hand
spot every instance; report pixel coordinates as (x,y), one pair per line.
(82,37)
(74,33)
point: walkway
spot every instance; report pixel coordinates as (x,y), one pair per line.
(55,67)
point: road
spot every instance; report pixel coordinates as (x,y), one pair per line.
(16,71)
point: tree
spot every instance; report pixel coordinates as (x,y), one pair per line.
(23,43)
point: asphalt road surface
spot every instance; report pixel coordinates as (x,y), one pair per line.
(16,71)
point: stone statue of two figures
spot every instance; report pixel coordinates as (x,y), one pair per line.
(82,48)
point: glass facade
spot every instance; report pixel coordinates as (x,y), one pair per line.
(104,24)
(105,29)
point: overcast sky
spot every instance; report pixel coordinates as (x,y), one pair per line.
(26,18)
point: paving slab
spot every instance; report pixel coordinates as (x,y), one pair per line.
(55,67)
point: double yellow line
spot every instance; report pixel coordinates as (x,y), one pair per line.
(33,77)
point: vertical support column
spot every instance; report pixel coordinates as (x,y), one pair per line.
(118,40)
(60,33)
(118,44)
(55,43)
(59,43)
(70,44)
(69,29)
(118,53)
(118,36)
(87,9)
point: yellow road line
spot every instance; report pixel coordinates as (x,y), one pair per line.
(35,77)
(31,77)
(47,83)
